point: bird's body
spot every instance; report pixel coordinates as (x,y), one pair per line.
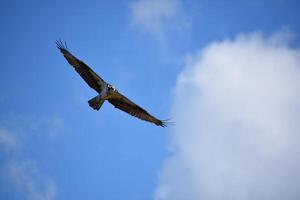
(106,91)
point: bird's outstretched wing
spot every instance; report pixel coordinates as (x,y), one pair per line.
(123,103)
(90,77)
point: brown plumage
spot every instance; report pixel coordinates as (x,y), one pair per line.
(123,103)
(90,77)
(105,90)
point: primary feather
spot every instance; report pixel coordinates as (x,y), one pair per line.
(90,77)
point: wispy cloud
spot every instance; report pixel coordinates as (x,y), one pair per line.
(157,16)
(8,142)
(20,173)
(26,178)
(51,126)
(237,115)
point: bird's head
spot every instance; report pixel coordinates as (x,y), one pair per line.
(111,88)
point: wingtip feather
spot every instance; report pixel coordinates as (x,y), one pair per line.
(61,45)
(165,123)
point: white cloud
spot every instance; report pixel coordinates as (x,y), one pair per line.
(51,126)
(237,113)
(21,174)
(156,16)
(27,179)
(7,140)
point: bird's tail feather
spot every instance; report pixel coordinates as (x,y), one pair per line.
(96,102)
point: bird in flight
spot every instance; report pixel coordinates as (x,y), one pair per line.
(105,90)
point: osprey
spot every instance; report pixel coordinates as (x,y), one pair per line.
(105,90)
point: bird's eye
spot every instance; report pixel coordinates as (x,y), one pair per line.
(110,88)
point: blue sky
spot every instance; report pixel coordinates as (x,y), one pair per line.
(52,144)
